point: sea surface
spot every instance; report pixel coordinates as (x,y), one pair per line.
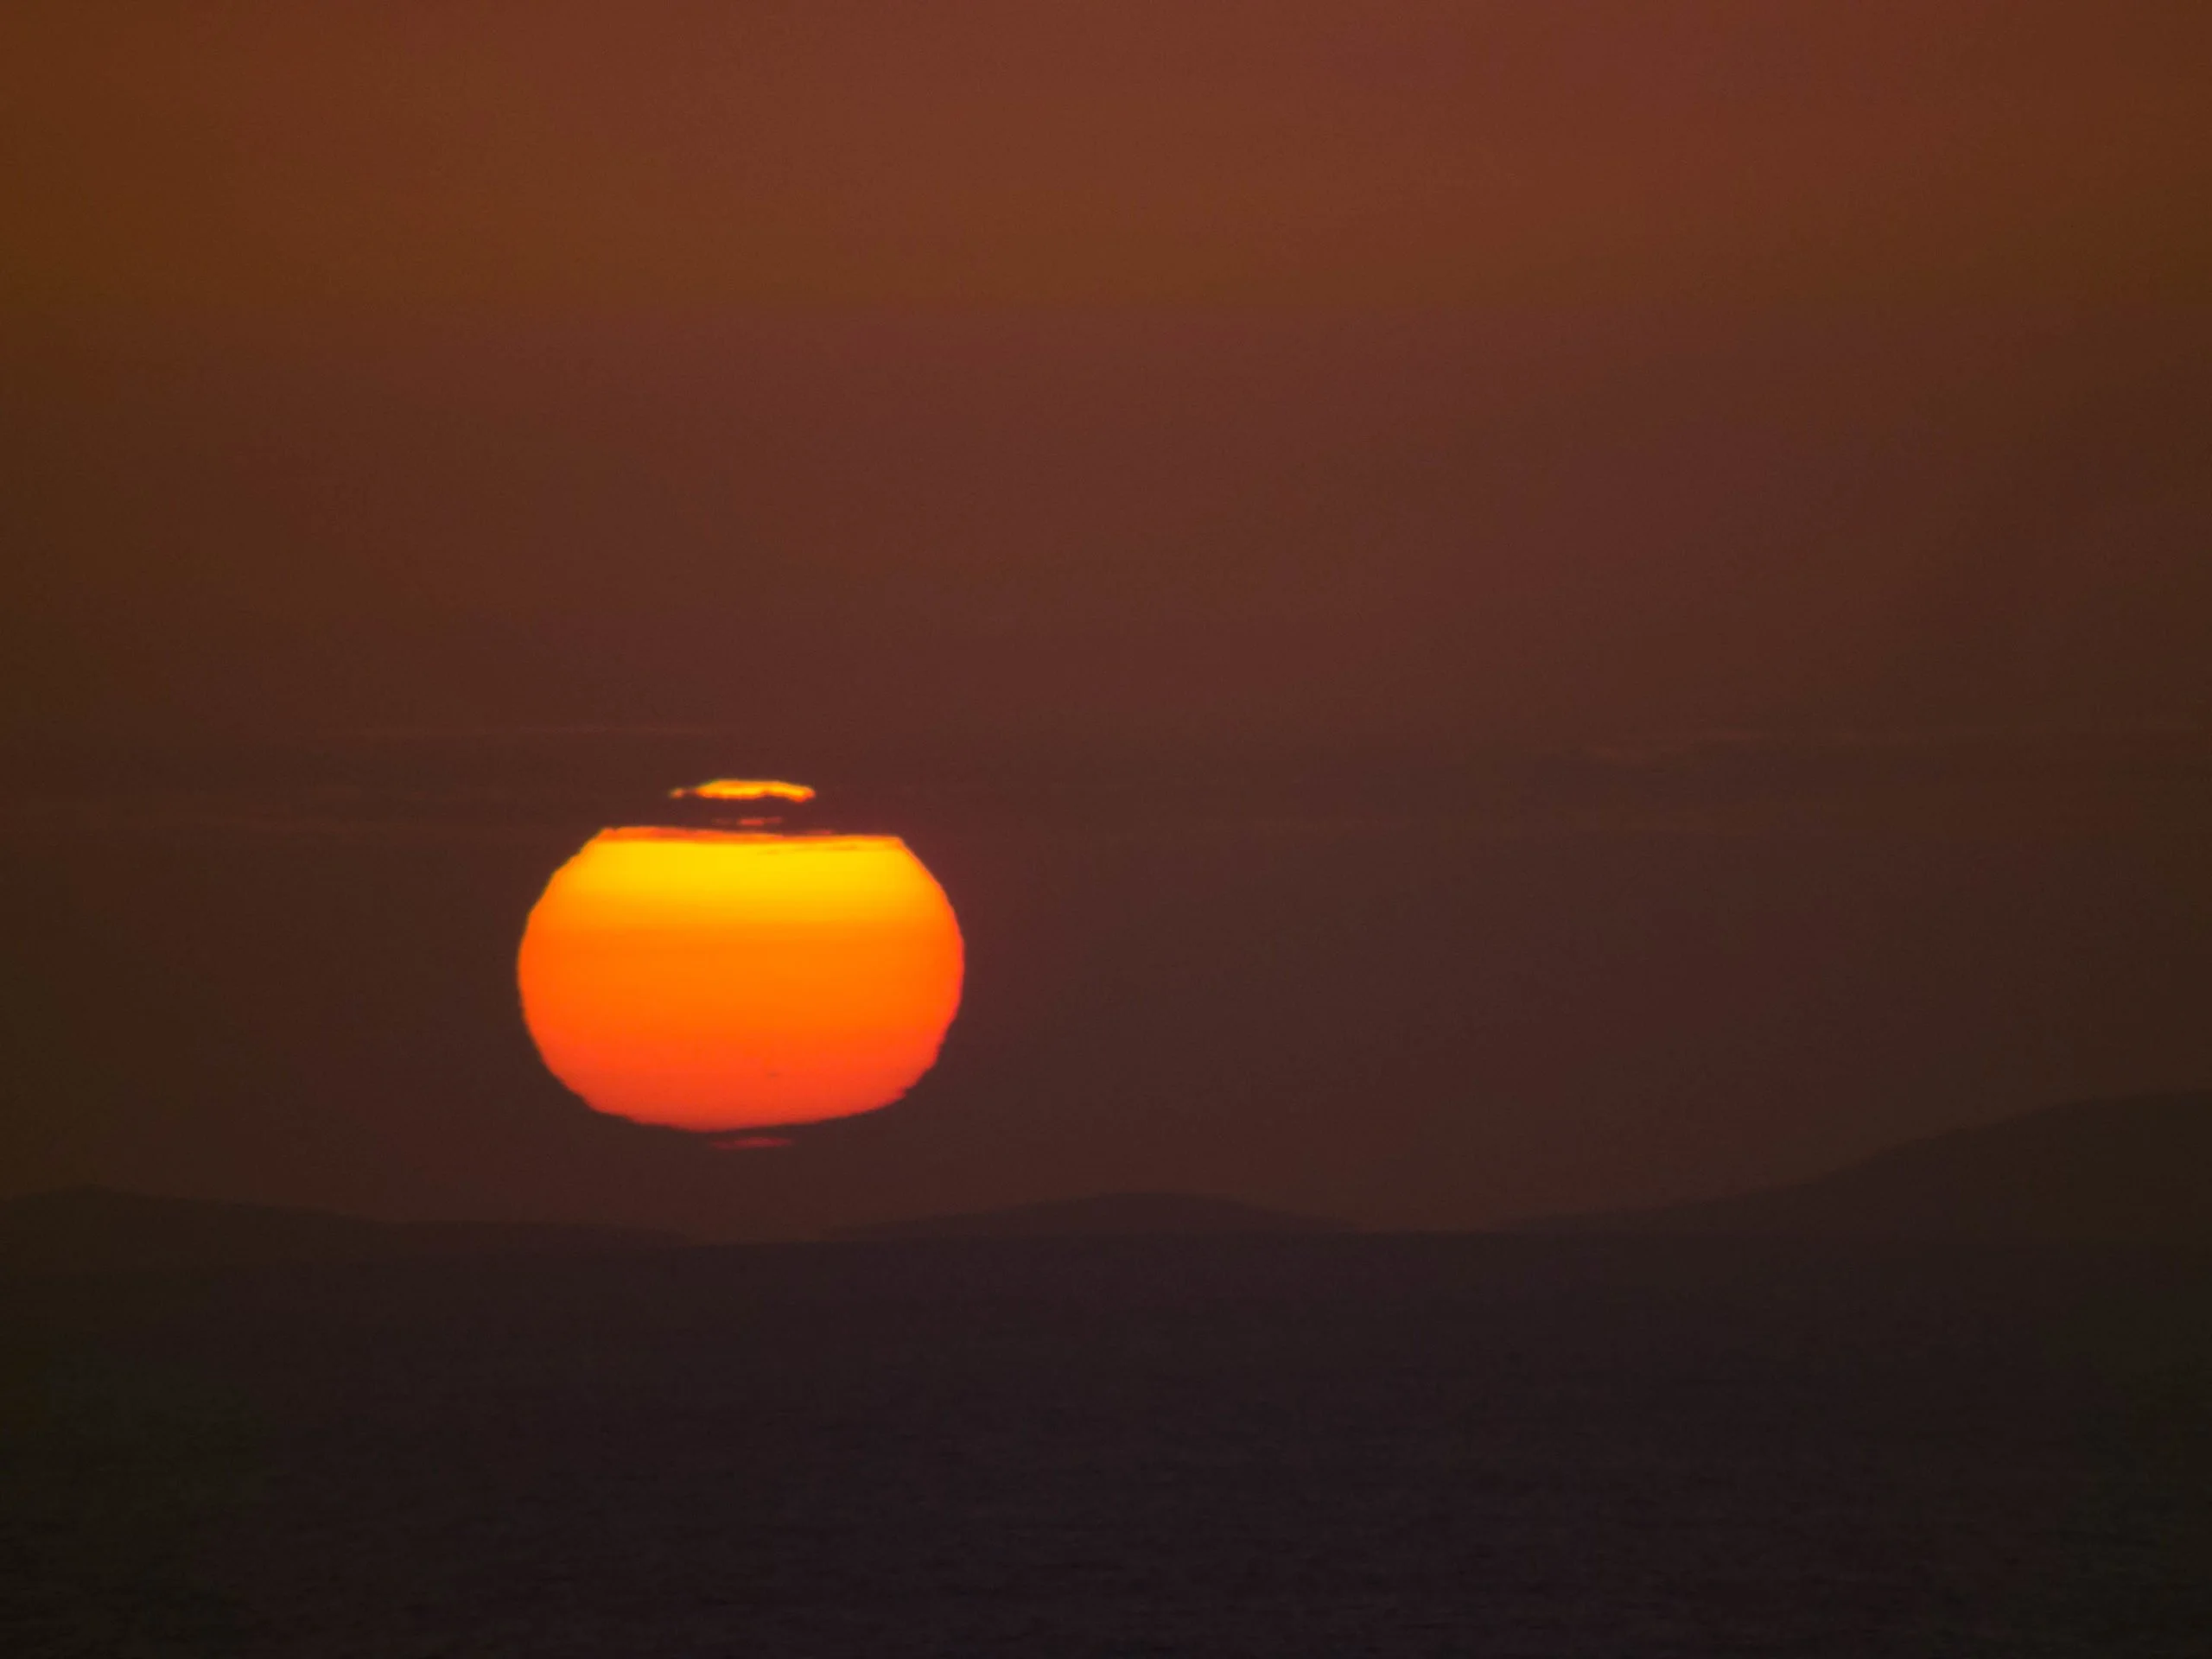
(1331,1446)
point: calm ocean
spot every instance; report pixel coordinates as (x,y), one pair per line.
(1333,1447)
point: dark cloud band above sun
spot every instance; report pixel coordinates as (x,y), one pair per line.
(2027,780)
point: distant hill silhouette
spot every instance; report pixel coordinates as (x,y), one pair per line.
(2137,1169)
(1123,1215)
(95,1229)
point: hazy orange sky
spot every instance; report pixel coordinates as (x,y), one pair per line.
(1725,463)
(558,158)
(1400,367)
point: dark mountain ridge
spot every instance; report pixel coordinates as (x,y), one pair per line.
(97,1230)
(1111,1215)
(2137,1169)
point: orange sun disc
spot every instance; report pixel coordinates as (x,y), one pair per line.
(716,981)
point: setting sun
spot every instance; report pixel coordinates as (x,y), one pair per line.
(716,981)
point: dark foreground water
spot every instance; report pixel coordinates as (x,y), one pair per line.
(1330,1447)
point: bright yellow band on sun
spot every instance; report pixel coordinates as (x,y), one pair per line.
(743,789)
(713,982)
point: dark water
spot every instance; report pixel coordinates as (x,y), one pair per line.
(1327,1447)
